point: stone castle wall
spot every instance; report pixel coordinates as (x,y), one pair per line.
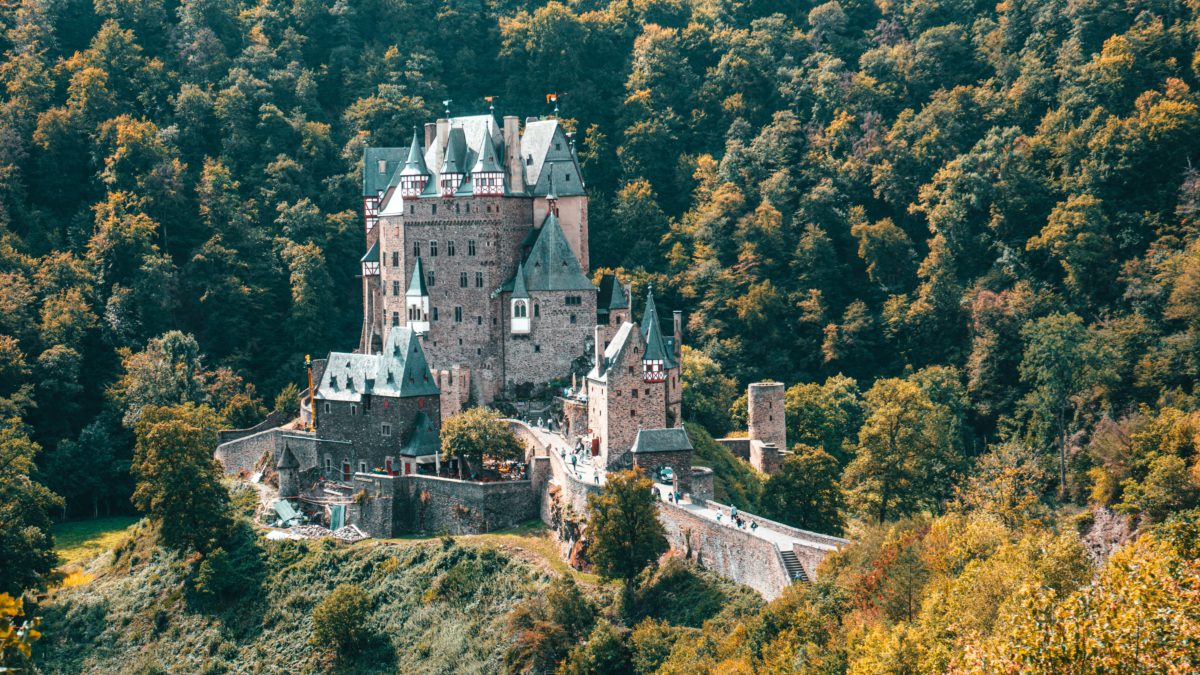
(274,419)
(388,506)
(728,551)
(455,386)
(559,335)
(241,455)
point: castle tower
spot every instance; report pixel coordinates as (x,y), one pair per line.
(765,411)
(288,468)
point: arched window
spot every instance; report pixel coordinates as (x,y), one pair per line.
(519,310)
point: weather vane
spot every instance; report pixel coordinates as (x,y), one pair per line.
(446,104)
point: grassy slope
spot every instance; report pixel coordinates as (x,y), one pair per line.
(77,540)
(734,481)
(437,606)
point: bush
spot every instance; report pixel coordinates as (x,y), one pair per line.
(338,620)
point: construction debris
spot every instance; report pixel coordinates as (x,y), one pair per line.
(349,533)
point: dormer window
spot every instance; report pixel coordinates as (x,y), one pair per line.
(383,166)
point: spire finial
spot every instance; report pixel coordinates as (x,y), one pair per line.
(446,104)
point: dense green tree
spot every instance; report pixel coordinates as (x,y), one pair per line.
(339,618)
(623,525)
(906,460)
(26,545)
(178,481)
(805,492)
(475,433)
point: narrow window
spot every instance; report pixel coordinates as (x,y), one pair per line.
(462,279)
(430,280)
(362,467)
(433,209)
(458,314)
(450,247)
(353,410)
(416,249)
(479,280)
(326,408)
(395,288)
(572,318)
(395,318)
(383,166)
(385,429)
(395,258)
(435,314)
(433,249)
(470,247)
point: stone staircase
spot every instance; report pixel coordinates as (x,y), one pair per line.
(792,564)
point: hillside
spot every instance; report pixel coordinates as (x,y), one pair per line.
(436,605)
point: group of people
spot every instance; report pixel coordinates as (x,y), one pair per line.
(737,521)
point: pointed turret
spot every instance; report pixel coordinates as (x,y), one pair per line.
(416,299)
(454,163)
(487,176)
(657,358)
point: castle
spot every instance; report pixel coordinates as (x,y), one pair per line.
(476,289)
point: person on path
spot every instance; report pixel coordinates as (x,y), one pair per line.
(733,512)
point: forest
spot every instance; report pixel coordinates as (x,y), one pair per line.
(965,234)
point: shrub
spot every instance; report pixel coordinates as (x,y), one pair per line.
(338,620)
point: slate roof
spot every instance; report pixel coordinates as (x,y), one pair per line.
(287,459)
(416,284)
(424,440)
(661,440)
(519,291)
(455,160)
(656,348)
(612,353)
(373,254)
(400,371)
(551,264)
(612,293)
(415,166)
(374,181)
(547,145)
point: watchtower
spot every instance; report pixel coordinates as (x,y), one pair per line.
(765,412)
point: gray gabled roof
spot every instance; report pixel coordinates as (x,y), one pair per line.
(613,352)
(551,264)
(489,158)
(424,440)
(416,283)
(545,151)
(399,371)
(661,440)
(374,180)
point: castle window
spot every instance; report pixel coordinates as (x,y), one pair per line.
(630,370)
(558,146)
(395,318)
(478,351)
(537,348)
(385,429)
(456,207)
(430,280)
(471,245)
(433,209)
(458,315)
(479,321)
(633,392)
(462,279)
(572,318)
(383,166)
(433,249)
(362,467)
(328,465)
(395,258)
(395,288)
(519,310)
(326,407)
(537,310)
(450,247)
(412,208)
(345,469)
(416,249)
(528,160)
(633,413)
(435,318)
(387,464)
(647,391)
(479,280)
(353,410)
(568,178)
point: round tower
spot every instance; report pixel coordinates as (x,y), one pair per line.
(764,408)
(288,468)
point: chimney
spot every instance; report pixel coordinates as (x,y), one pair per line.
(512,153)
(439,152)
(678,316)
(430,134)
(600,333)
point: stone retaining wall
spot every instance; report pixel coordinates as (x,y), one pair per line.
(239,456)
(811,548)
(388,506)
(275,419)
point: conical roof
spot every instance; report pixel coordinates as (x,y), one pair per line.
(415,166)
(551,264)
(372,255)
(519,290)
(488,161)
(656,348)
(416,285)
(456,152)
(287,459)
